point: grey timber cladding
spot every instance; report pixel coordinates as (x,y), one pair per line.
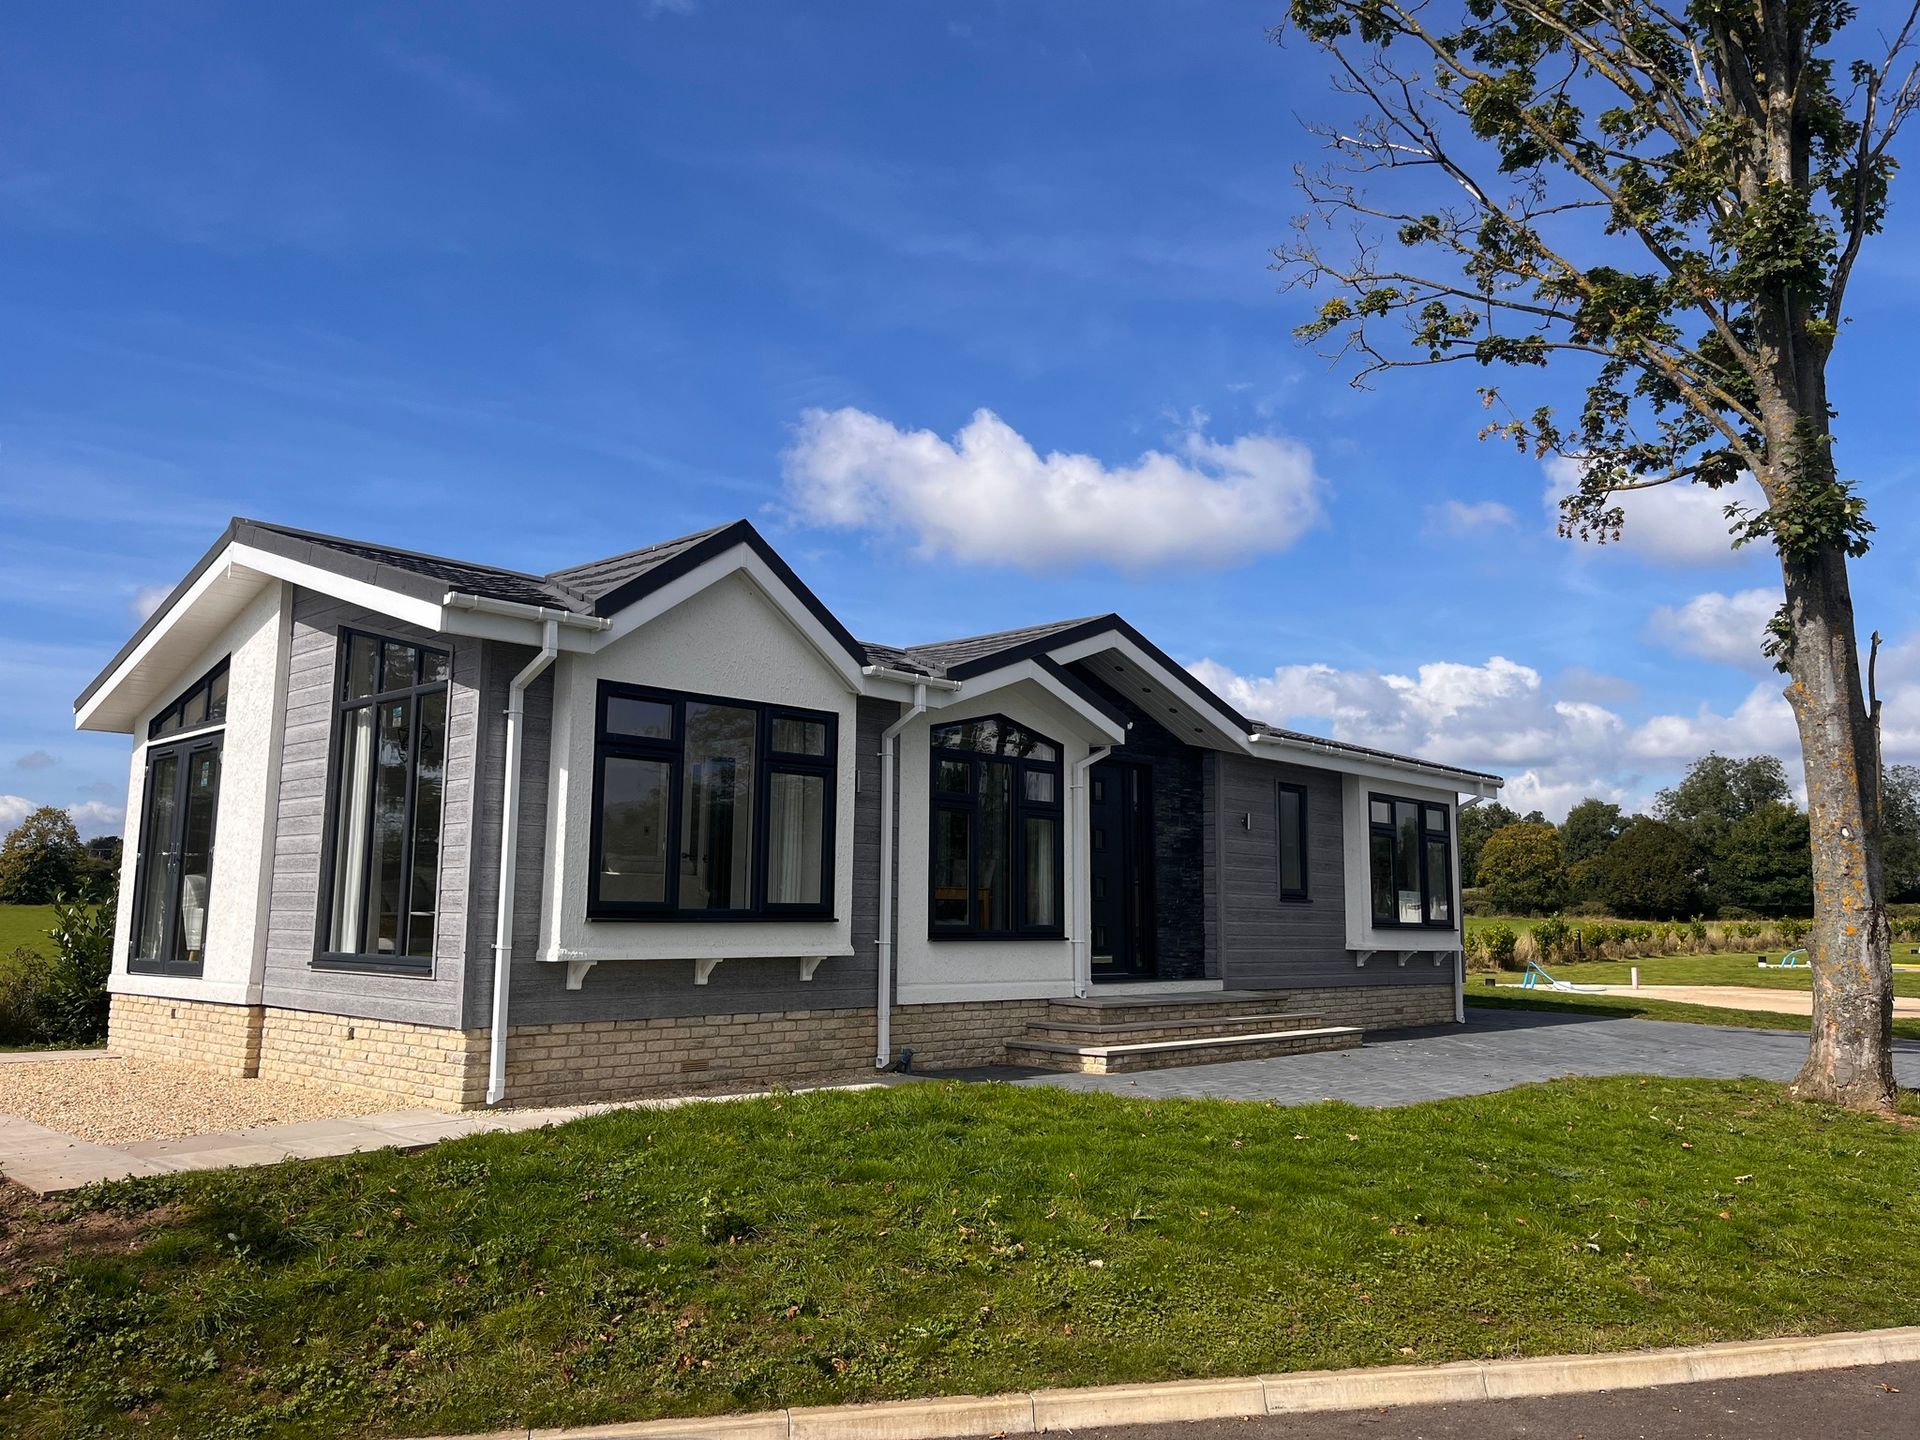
(1263,942)
(652,987)
(291,982)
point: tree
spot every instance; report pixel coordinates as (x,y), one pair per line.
(1590,827)
(1767,865)
(1647,874)
(1902,807)
(1477,822)
(40,861)
(1714,796)
(1672,199)
(1521,872)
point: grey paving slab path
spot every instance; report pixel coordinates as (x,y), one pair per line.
(1494,1050)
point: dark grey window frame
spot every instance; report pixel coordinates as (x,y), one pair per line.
(1304,892)
(210,718)
(1427,886)
(969,804)
(767,763)
(206,738)
(400,963)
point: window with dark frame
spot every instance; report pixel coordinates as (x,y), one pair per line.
(389,793)
(995,865)
(1293,842)
(201,705)
(707,808)
(1410,862)
(173,874)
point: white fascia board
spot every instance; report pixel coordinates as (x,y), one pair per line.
(1371,767)
(427,614)
(1031,671)
(1225,726)
(213,575)
(741,559)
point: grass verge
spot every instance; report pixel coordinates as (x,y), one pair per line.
(23,926)
(946,1238)
(1727,969)
(1627,1004)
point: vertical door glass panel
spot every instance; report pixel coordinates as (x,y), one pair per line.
(633,830)
(429,793)
(1406,863)
(1380,868)
(951,854)
(159,855)
(363,666)
(1043,900)
(350,833)
(716,813)
(996,846)
(196,855)
(796,837)
(393,751)
(1439,882)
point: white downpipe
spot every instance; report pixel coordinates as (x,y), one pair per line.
(509,847)
(1081,889)
(1460,913)
(889,747)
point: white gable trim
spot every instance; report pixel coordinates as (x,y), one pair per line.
(975,688)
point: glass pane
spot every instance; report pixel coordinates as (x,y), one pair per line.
(168,723)
(159,861)
(1439,883)
(391,756)
(1436,820)
(716,811)
(196,856)
(1039,786)
(363,665)
(796,839)
(949,868)
(640,719)
(1380,872)
(633,830)
(1406,863)
(953,777)
(1034,748)
(429,791)
(993,736)
(217,698)
(193,714)
(352,819)
(398,666)
(993,905)
(1380,811)
(1042,895)
(433,666)
(1293,860)
(799,737)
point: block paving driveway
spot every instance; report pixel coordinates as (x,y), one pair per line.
(1494,1050)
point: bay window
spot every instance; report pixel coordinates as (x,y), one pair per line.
(995,862)
(1410,859)
(710,809)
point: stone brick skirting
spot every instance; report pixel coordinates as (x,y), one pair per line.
(221,1038)
(415,1064)
(1377,1007)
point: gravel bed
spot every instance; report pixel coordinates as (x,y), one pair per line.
(116,1101)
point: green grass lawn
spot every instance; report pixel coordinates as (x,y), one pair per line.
(946,1238)
(1729,969)
(1626,1002)
(23,925)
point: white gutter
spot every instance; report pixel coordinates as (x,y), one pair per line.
(509,848)
(545,614)
(889,744)
(1321,747)
(1081,889)
(909,677)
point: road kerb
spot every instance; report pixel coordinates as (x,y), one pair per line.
(1460,1382)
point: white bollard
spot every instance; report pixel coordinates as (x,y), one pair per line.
(1636,977)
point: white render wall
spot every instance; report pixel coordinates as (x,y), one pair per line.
(930,971)
(243,835)
(728,641)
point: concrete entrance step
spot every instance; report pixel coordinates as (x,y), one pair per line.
(1142,1031)
(1164,1054)
(1098,1009)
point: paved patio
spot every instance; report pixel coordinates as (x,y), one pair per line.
(1494,1050)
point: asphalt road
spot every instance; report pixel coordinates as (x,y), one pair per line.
(1879,1402)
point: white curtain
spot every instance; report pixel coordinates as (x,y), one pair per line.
(352,824)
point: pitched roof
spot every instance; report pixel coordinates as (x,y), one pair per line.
(599,578)
(330,551)
(1261,727)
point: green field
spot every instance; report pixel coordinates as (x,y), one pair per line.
(946,1238)
(1630,1003)
(23,925)
(1728,969)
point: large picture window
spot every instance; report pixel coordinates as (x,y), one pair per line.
(995,861)
(1411,862)
(710,809)
(1293,842)
(389,778)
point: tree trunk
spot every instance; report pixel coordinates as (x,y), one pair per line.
(1850,1062)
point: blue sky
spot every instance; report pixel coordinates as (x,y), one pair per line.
(532,284)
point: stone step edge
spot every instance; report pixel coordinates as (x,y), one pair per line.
(1272,1017)
(1205,1042)
(1305,1392)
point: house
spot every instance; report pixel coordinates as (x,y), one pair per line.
(460,834)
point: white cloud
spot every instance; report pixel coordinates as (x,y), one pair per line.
(35,760)
(1728,628)
(1678,524)
(147,599)
(96,817)
(1459,518)
(14,809)
(989,497)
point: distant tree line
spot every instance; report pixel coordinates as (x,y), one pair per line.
(43,859)
(1727,840)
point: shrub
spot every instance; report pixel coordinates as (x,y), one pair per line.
(1550,936)
(60,998)
(1494,946)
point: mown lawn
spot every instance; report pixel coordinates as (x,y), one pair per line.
(941,1237)
(1729,969)
(1628,1002)
(23,925)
